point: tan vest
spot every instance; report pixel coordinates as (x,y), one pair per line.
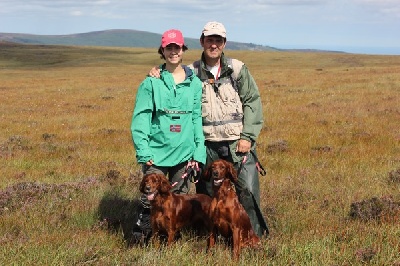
(222,109)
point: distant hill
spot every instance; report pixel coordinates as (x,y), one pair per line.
(116,38)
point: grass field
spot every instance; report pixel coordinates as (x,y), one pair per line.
(69,180)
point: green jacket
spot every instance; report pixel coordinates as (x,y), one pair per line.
(166,124)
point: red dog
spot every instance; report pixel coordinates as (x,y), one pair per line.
(226,212)
(170,212)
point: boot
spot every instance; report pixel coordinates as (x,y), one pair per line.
(142,227)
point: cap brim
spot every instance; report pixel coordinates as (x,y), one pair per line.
(210,33)
(179,44)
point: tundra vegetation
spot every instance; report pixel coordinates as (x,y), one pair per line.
(69,180)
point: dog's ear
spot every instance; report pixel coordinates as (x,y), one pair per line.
(142,184)
(206,175)
(231,172)
(165,186)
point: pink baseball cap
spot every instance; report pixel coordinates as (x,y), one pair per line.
(172,36)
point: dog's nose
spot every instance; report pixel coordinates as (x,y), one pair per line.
(215,173)
(147,188)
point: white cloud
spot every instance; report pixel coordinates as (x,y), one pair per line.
(102,2)
(387,7)
(76,13)
(257,21)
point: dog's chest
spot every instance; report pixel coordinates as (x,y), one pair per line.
(221,209)
(221,217)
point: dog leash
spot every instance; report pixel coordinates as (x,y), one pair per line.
(191,172)
(259,166)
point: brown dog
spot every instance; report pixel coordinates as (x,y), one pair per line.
(227,214)
(170,212)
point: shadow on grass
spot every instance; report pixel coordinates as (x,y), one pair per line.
(119,214)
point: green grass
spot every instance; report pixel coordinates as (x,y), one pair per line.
(69,179)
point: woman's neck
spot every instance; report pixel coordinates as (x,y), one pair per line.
(177,71)
(172,68)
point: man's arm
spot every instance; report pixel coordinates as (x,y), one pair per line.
(155,72)
(252,107)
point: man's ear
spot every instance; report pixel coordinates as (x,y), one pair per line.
(224,45)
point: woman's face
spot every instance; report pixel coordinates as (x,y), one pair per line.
(173,53)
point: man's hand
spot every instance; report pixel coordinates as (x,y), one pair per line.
(243,146)
(154,72)
(149,163)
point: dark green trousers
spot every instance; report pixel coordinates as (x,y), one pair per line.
(248,186)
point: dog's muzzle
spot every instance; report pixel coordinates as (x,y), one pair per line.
(150,195)
(218,182)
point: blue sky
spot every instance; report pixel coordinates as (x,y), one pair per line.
(359,26)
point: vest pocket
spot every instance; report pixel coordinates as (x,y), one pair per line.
(209,131)
(233,129)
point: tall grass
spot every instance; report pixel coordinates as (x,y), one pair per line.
(69,179)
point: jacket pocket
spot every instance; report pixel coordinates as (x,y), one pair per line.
(157,136)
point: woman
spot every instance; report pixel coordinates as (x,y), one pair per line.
(167,124)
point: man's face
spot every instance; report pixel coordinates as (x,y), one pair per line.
(213,46)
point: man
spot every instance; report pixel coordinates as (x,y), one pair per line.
(232,118)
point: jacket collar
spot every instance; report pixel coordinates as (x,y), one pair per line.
(188,71)
(226,69)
